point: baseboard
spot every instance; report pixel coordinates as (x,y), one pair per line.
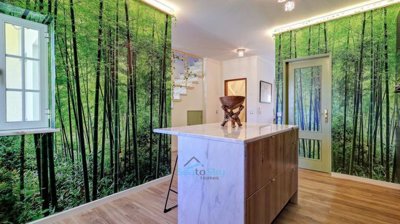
(98,202)
(366,180)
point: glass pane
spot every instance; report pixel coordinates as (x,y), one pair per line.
(307,85)
(13,73)
(13,39)
(14,106)
(32,43)
(310,148)
(32,77)
(32,106)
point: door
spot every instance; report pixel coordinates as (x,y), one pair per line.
(309,107)
(237,87)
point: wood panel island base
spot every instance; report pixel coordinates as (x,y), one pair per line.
(235,175)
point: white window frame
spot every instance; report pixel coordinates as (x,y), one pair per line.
(44,71)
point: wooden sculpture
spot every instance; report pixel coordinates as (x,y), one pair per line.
(229,104)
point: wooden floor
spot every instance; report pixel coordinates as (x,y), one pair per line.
(322,199)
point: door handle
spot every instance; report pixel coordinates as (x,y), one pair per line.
(326,115)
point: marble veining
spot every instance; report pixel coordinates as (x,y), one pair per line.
(211,170)
(247,133)
(210,182)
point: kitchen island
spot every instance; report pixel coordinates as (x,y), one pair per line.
(235,175)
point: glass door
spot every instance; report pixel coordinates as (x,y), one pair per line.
(309,99)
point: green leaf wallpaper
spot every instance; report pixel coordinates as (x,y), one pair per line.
(365,71)
(113,86)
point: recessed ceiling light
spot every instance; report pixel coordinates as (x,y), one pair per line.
(289,6)
(240,52)
(281,1)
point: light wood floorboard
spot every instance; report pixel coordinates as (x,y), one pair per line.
(322,199)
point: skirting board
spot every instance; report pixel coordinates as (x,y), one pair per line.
(98,202)
(366,180)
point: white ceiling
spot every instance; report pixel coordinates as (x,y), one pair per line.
(214,28)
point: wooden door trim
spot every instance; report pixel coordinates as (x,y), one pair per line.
(230,80)
(245,86)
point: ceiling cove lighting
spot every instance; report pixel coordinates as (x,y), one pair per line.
(162,6)
(240,52)
(352,10)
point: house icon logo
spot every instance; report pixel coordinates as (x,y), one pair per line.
(193,167)
(193,163)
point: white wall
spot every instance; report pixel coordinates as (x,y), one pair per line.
(193,100)
(253,69)
(266,72)
(205,95)
(212,90)
(244,68)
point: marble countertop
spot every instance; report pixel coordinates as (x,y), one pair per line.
(247,133)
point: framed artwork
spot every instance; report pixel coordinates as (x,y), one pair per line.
(265,92)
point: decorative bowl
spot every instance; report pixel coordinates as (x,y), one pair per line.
(232,102)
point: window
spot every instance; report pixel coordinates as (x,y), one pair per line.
(23,74)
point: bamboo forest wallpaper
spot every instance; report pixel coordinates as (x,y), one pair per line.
(113,87)
(365,52)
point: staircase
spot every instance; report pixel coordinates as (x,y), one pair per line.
(186,79)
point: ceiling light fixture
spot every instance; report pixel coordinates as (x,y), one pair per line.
(281,1)
(162,6)
(352,10)
(289,6)
(240,52)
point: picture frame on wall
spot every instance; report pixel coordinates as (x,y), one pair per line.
(265,92)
